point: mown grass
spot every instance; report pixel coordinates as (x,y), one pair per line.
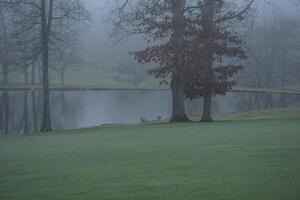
(229,159)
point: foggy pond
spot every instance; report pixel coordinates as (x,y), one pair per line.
(79,109)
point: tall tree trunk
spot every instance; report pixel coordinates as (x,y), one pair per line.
(4,46)
(178,109)
(26,126)
(177,84)
(5,101)
(6,112)
(33,100)
(208,28)
(25,112)
(45,29)
(1,115)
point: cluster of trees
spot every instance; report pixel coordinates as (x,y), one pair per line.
(273,49)
(34,33)
(195,46)
(192,45)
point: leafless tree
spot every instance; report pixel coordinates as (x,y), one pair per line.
(273,45)
(42,20)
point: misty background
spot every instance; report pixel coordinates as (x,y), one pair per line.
(100,49)
(271,35)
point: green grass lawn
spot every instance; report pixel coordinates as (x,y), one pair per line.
(257,159)
(85,76)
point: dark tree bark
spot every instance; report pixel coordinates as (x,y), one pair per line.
(6,112)
(178,106)
(5,71)
(208,28)
(25,112)
(206,116)
(33,100)
(26,126)
(1,114)
(5,101)
(46,123)
(177,84)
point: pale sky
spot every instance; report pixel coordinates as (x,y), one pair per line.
(98,45)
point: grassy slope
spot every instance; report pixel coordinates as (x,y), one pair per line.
(103,77)
(236,159)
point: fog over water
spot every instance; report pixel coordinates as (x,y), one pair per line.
(80,109)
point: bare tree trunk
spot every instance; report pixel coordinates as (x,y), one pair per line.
(46,124)
(5,100)
(5,105)
(177,85)
(26,127)
(6,111)
(33,99)
(25,112)
(1,114)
